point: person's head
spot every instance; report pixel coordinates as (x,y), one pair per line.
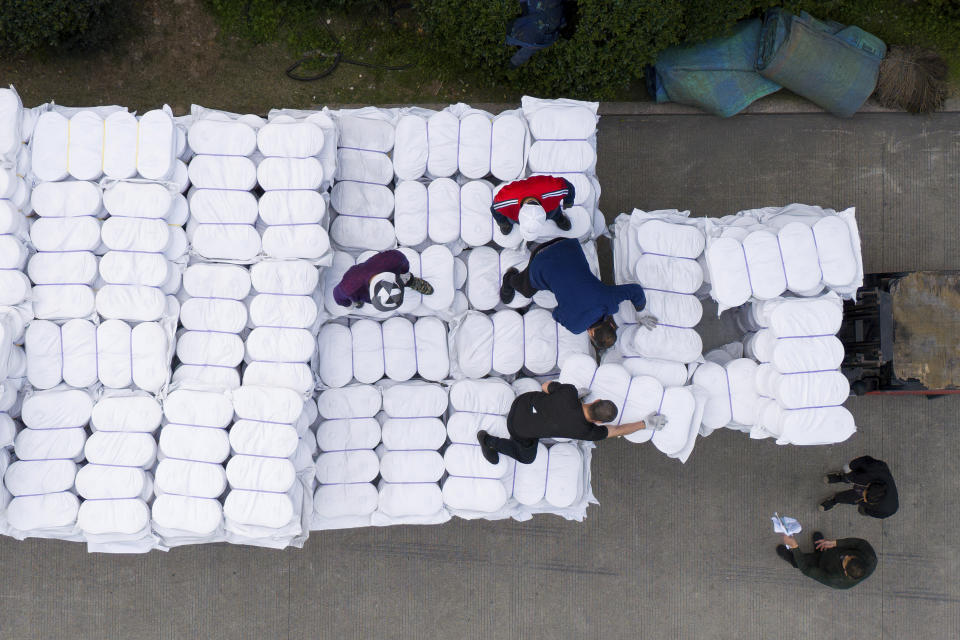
(386,292)
(874,492)
(601,411)
(854,567)
(603,333)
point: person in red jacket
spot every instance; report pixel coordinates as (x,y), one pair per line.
(550,193)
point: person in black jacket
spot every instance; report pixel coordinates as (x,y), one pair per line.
(556,412)
(873,488)
(839,564)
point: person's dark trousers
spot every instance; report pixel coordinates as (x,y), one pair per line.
(521,281)
(501,219)
(851,496)
(521,449)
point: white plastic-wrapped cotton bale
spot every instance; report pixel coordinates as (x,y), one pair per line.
(799,248)
(474,488)
(435,264)
(116,484)
(134,355)
(65,353)
(397,348)
(213,315)
(553,483)
(87,143)
(66,234)
(292,209)
(363,209)
(43,477)
(223,210)
(733,399)
(347,465)
(284,318)
(564,134)
(190,477)
(146,251)
(327,155)
(265,500)
(14,200)
(798,379)
(506,342)
(636,398)
(410,462)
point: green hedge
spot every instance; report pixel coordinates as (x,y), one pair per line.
(31,25)
(615,39)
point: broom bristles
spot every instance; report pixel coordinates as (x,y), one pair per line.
(913,79)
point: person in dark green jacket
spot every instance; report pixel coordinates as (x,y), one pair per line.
(839,564)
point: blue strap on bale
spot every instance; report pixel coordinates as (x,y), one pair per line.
(717,75)
(833,66)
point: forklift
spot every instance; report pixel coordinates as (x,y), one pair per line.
(901,334)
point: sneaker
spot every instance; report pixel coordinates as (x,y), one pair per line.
(827,504)
(563,222)
(833,478)
(489,454)
(505,228)
(420,285)
(506,289)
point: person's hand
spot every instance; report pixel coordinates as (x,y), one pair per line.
(790,541)
(648,321)
(823,545)
(655,421)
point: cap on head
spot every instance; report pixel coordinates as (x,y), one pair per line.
(386,292)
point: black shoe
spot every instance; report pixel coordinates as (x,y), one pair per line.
(817,536)
(420,285)
(563,222)
(505,228)
(828,504)
(506,289)
(833,478)
(489,454)
(786,554)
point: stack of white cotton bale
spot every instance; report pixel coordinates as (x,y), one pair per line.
(42,479)
(565,145)
(190,477)
(660,251)
(411,466)
(639,396)
(223,209)
(347,436)
(474,488)
(397,348)
(284,316)
(802,390)
(292,209)
(213,315)
(12,374)
(760,254)
(435,264)
(270,470)
(459,139)
(361,196)
(733,400)
(146,251)
(80,354)
(66,235)
(116,484)
(506,342)
(14,200)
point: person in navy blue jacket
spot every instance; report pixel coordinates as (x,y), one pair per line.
(584,303)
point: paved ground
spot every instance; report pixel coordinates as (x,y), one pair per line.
(673,551)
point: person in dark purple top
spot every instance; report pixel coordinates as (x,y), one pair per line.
(380,279)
